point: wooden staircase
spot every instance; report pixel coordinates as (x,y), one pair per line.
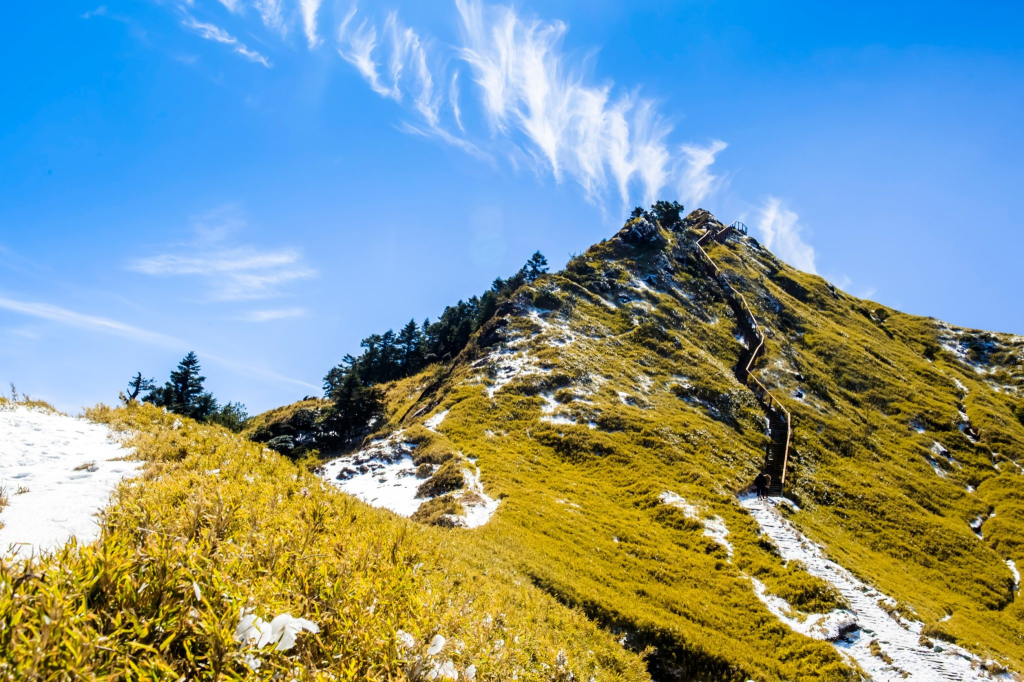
(780,426)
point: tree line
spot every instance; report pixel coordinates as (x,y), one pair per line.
(185,394)
(351,385)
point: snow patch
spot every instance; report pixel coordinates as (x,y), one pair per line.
(478,507)
(435,421)
(58,472)
(508,365)
(830,626)
(714,526)
(548,409)
(1016,574)
(382,475)
(898,636)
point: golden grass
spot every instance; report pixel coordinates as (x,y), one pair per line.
(216,524)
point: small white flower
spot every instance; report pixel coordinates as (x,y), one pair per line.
(561,660)
(195,589)
(252,629)
(285,629)
(406,642)
(176,425)
(252,662)
(471,673)
(436,645)
(499,644)
(443,671)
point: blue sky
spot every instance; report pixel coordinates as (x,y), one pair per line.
(268,181)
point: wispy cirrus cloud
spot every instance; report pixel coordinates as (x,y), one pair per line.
(696,181)
(271,12)
(78,320)
(537,105)
(231,272)
(105,325)
(309,11)
(272,315)
(215,33)
(508,88)
(781,231)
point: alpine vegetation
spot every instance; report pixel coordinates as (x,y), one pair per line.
(554,481)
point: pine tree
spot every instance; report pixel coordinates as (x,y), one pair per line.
(668,213)
(535,267)
(390,363)
(137,386)
(183,394)
(355,405)
(409,342)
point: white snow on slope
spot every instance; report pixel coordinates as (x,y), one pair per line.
(898,637)
(435,421)
(479,508)
(382,475)
(58,472)
(1016,574)
(714,526)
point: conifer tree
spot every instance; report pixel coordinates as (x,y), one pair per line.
(409,342)
(535,267)
(668,213)
(183,394)
(137,386)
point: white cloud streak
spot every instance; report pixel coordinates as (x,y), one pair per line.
(218,35)
(696,182)
(309,10)
(272,315)
(531,89)
(781,231)
(106,325)
(358,44)
(238,274)
(271,13)
(453,100)
(232,273)
(535,101)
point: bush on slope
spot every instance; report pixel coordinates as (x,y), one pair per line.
(217,524)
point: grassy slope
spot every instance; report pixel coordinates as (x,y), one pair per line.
(653,371)
(217,523)
(863,470)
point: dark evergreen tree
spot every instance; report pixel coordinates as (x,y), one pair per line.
(137,386)
(355,405)
(535,267)
(410,348)
(390,360)
(232,416)
(184,393)
(637,212)
(668,213)
(488,306)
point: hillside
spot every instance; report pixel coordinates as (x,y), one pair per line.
(605,410)
(222,560)
(575,474)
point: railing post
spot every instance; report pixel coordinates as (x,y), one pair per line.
(771,399)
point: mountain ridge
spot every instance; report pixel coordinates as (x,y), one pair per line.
(660,344)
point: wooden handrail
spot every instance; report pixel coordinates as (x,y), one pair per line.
(749,369)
